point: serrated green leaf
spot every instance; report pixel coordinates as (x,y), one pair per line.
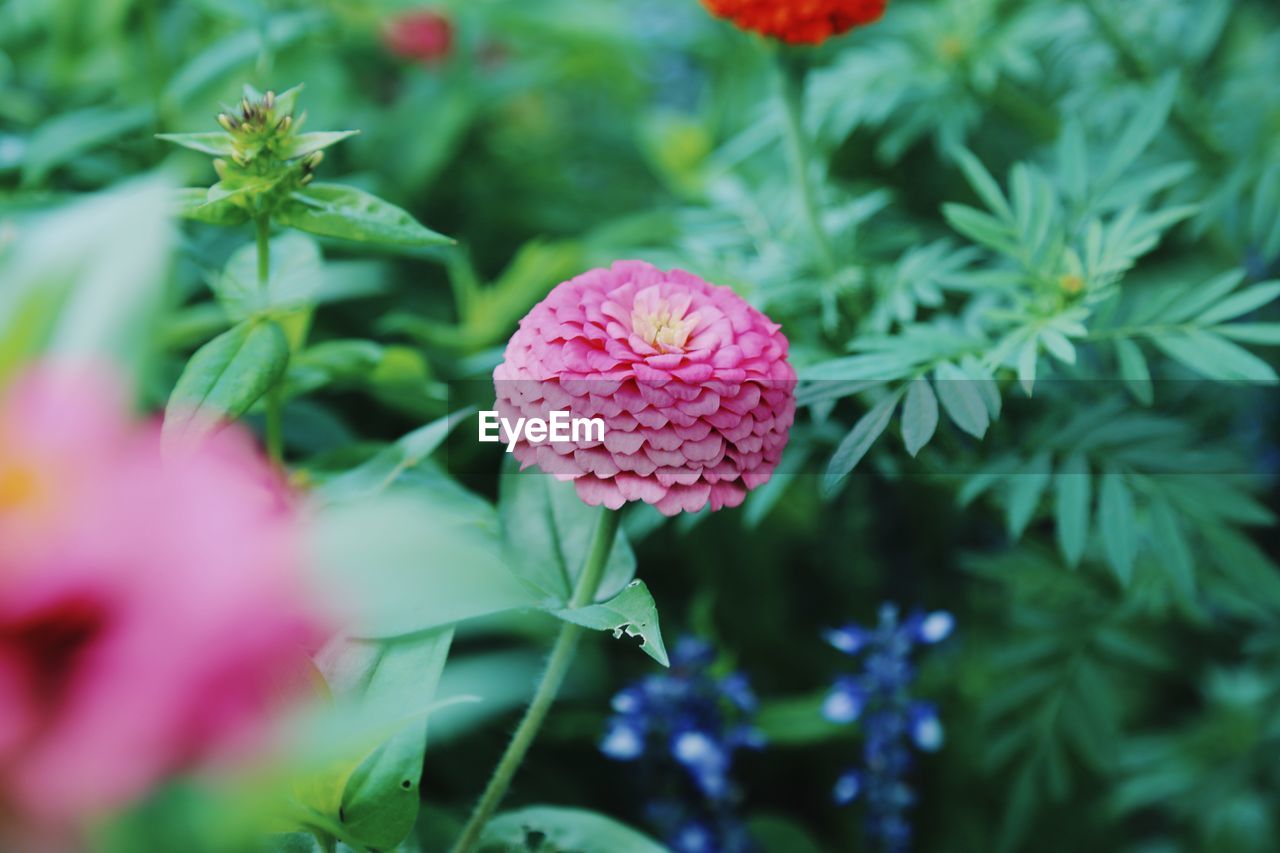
(1262,334)
(1215,357)
(1247,300)
(981,228)
(224,378)
(919,415)
(1028,358)
(631,611)
(858,441)
(1058,345)
(983,184)
(1117,522)
(1026,488)
(332,210)
(1171,548)
(961,399)
(1203,297)
(1146,123)
(1134,370)
(1073,488)
(302,144)
(217,143)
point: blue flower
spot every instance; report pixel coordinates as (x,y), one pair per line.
(684,727)
(623,741)
(845,702)
(892,722)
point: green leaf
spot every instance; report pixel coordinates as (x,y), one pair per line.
(380,798)
(224,378)
(1202,298)
(774,832)
(631,611)
(1073,488)
(1025,490)
(859,440)
(332,210)
(217,143)
(983,184)
(293,281)
(961,399)
(303,144)
(1215,357)
(382,694)
(919,415)
(981,228)
(562,829)
(420,555)
(548,531)
(1262,334)
(1146,123)
(1134,371)
(384,469)
(1028,357)
(194,203)
(1247,300)
(1058,345)
(1116,521)
(86,281)
(240,49)
(1172,549)
(69,134)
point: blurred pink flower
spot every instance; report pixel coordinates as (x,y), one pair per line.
(151,612)
(693,385)
(425,35)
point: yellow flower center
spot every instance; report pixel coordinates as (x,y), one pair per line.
(663,324)
(20,485)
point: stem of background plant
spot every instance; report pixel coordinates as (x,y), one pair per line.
(791,76)
(275,399)
(558,664)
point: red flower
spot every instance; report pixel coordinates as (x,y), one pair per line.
(424,35)
(798,21)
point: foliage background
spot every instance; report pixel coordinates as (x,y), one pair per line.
(1113,683)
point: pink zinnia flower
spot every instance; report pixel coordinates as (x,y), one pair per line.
(151,612)
(424,35)
(692,383)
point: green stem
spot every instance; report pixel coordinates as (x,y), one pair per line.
(791,76)
(557,667)
(275,396)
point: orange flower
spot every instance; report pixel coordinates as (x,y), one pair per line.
(798,21)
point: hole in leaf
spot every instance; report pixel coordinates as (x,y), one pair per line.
(406,784)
